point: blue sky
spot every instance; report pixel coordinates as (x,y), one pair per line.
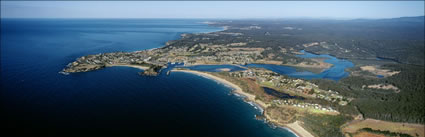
(211,9)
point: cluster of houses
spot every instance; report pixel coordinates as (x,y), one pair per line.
(303,105)
(198,54)
(269,78)
(115,58)
(333,96)
(99,61)
(212,54)
(279,81)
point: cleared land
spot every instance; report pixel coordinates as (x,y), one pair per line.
(384,86)
(415,130)
(377,71)
(367,134)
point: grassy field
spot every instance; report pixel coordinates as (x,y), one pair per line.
(414,130)
(367,134)
(267,84)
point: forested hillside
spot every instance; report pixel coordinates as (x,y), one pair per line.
(399,40)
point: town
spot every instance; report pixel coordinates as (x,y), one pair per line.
(283,83)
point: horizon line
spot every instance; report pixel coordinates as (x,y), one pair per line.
(266,18)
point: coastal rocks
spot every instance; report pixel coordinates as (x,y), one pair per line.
(152,71)
(149,72)
(260,117)
(76,67)
(74,63)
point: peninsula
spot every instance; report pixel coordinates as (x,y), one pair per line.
(315,107)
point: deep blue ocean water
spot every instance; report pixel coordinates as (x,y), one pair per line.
(112,101)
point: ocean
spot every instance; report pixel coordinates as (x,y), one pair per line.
(117,101)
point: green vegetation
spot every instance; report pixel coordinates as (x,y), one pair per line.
(399,43)
(401,39)
(325,125)
(386,133)
(406,106)
(390,44)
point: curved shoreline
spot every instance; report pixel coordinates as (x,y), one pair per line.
(236,88)
(295,127)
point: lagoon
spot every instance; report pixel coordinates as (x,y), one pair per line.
(336,72)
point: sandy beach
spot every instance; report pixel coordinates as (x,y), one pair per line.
(124,65)
(300,131)
(294,127)
(236,88)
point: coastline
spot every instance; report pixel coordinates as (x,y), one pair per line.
(224,28)
(298,129)
(236,88)
(295,127)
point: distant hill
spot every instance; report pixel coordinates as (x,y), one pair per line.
(400,39)
(407,19)
(418,19)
